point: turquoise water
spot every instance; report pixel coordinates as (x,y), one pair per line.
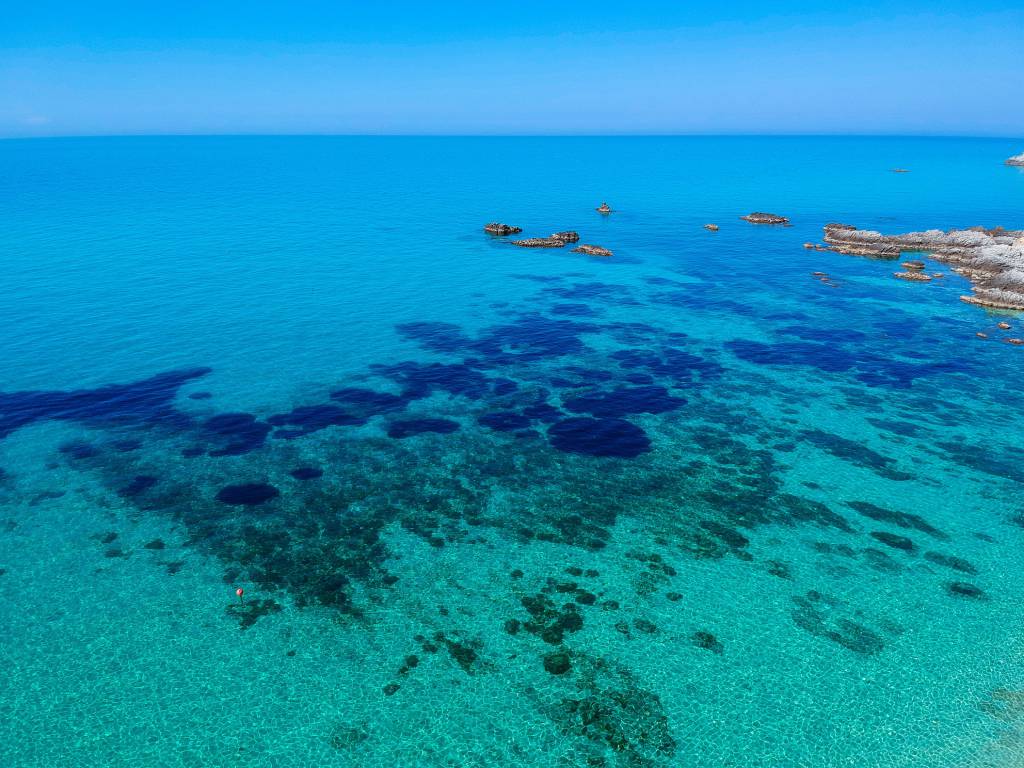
(690,505)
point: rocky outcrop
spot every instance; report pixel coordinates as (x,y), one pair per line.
(912,277)
(1017,160)
(539,242)
(496,228)
(992,259)
(592,250)
(566,237)
(711,227)
(913,264)
(604,208)
(758,217)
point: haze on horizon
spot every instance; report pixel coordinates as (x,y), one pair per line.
(912,67)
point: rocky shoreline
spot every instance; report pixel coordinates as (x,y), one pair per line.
(992,259)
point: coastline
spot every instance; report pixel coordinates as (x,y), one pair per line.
(991,259)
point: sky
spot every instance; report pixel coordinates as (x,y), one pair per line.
(529,67)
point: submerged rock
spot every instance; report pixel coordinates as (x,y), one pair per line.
(1017,160)
(992,259)
(557,663)
(592,250)
(707,641)
(758,217)
(499,229)
(964,589)
(539,242)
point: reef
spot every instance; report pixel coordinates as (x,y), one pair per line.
(758,217)
(991,259)
(499,229)
(592,250)
(822,616)
(616,721)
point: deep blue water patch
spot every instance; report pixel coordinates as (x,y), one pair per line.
(505,421)
(436,337)
(594,291)
(419,380)
(247,494)
(539,278)
(573,310)
(639,378)
(873,369)
(306,473)
(623,401)
(580,376)
(307,419)
(824,335)
(599,437)
(680,366)
(234,433)
(655,280)
(544,412)
(126,445)
(705,299)
(639,333)
(139,485)
(370,402)
(833,359)
(78,449)
(532,337)
(409,427)
(142,402)
(504,387)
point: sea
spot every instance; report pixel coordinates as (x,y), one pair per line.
(300,467)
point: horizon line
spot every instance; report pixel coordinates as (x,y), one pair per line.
(498,135)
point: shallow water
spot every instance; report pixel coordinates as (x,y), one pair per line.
(496,506)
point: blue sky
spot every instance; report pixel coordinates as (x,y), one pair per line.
(75,68)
